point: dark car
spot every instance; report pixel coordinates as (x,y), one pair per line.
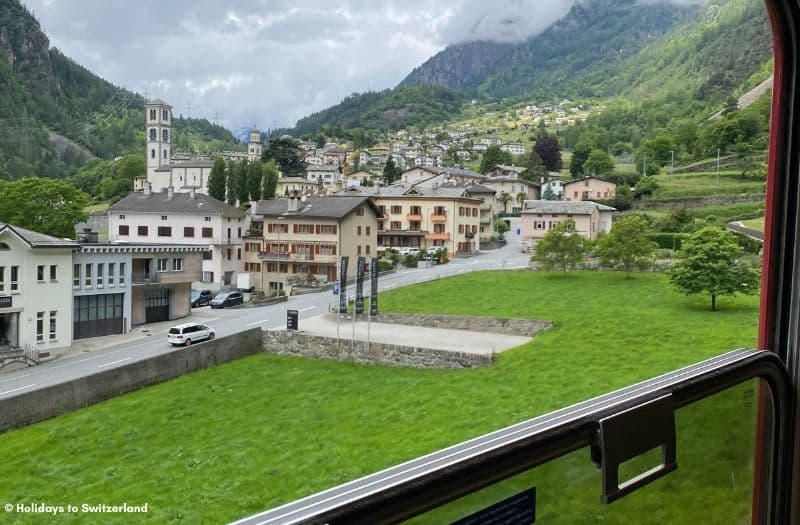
(200,297)
(227,299)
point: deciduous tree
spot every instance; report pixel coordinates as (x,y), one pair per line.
(549,151)
(627,244)
(711,263)
(46,206)
(562,248)
(598,163)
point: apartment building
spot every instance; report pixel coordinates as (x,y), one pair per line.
(35,290)
(439,216)
(294,238)
(184,218)
(540,216)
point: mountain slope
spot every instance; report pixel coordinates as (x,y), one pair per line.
(43,91)
(593,38)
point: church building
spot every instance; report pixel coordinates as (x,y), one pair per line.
(164,171)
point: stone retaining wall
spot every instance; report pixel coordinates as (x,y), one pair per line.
(306,345)
(696,202)
(51,401)
(526,327)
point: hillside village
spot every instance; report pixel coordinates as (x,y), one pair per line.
(169,233)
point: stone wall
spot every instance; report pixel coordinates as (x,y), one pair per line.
(307,345)
(696,202)
(527,327)
(38,405)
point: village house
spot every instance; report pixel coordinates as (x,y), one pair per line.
(509,172)
(184,218)
(330,177)
(515,148)
(538,217)
(301,186)
(294,238)
(511,192)
(589,189)
(35,290)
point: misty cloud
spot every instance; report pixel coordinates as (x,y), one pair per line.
(504,20)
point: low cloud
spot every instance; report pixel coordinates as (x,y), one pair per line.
(504,20)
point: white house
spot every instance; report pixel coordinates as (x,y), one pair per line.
(515,148)
(184,218)
(35,290)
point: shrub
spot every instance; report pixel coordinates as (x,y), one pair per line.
(668,241)
(384,266)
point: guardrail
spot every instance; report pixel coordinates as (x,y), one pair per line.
(417,486)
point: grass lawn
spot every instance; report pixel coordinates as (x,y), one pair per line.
(96,207)
(225,442)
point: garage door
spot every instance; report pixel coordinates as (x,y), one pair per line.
(156,305)
(96,315)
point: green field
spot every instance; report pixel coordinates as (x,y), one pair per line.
(225,442)
(755,224)
(705,184)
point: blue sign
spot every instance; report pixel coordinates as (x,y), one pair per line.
(335,288)
(518,230)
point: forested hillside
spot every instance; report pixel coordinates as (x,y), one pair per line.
(397,108)
(43,91)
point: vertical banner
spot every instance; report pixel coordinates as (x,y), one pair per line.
(361,264)
(373,277)
(343,284)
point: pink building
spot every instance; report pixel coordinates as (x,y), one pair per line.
(539,217)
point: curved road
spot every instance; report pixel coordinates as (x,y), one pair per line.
(226,322)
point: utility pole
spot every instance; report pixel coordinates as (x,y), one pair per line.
(718,167)
(188,109)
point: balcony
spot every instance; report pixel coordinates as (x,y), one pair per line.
(145,278)
(438,218)
(414,217)
(438,236)
(273,256)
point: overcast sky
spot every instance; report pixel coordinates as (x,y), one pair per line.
(270,62)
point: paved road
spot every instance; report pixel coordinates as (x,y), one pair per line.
(229,321)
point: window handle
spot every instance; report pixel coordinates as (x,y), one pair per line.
(629,434)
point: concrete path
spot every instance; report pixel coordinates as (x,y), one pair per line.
(414,336)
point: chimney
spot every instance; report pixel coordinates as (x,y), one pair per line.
(292,204)
(170,192)
(148,188)
(192,193)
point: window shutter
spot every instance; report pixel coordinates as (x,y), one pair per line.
(316,249)
(269,227)
(333,251)
(334,229)
(295,228)
(317,229)
(294,248)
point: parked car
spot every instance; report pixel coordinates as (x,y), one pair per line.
(408,251)
(188,333)
(201,297)
(227,299)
